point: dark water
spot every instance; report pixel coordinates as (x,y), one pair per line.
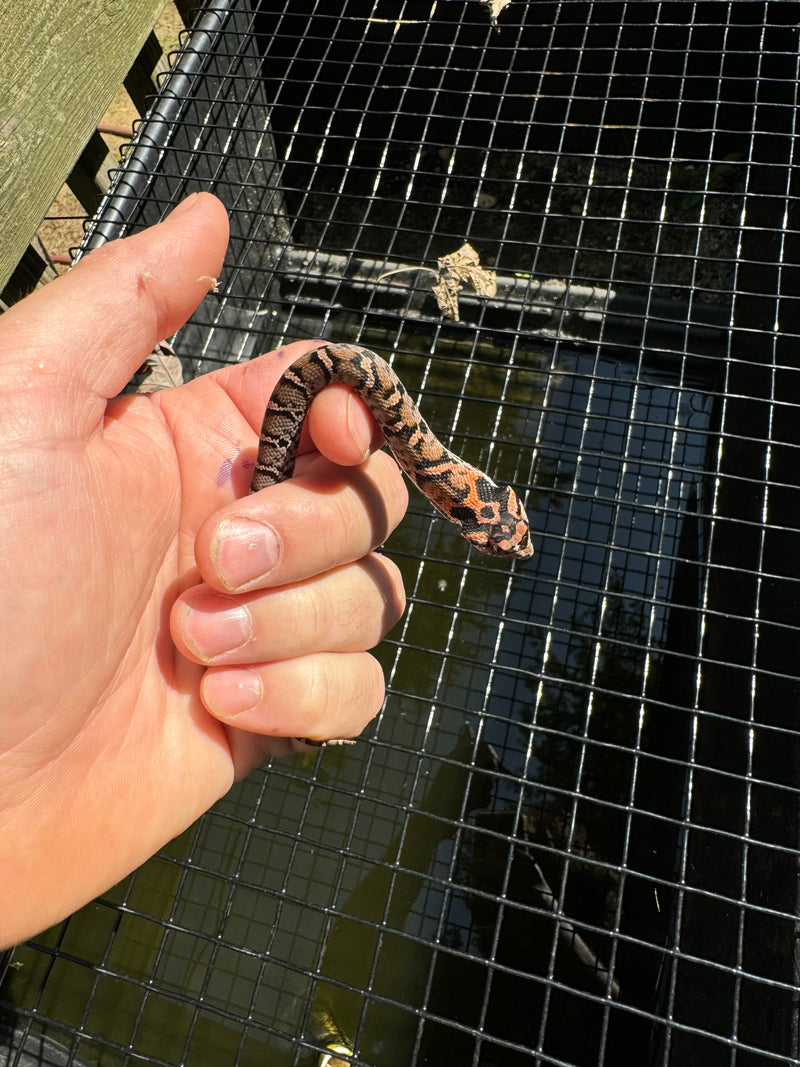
(371,885)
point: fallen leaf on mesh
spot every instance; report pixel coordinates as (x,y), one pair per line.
(495,7)
(161,370)
(461,268)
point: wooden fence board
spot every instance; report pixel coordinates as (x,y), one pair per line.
(60,66)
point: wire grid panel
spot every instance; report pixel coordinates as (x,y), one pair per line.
(571,836)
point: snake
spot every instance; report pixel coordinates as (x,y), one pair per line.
(490,517)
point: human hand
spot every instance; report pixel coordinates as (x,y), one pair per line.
(118,542)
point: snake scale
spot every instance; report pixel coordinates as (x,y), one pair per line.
(489,516)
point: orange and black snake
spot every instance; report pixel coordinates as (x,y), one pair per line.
(489,516)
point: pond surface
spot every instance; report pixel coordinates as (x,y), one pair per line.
(367,886)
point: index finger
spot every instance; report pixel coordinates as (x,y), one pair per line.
(338,423)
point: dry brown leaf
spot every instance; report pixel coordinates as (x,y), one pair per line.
(161,370)
(460,268)
(446,291)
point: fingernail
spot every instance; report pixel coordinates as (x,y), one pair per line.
(243,551)
(213,625)
(355,437)
(227,694)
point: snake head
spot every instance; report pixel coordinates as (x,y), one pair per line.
(500,526)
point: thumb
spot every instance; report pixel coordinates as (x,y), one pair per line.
(89,330)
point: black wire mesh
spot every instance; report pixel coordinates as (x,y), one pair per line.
(571,836)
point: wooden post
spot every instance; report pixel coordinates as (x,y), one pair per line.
(60,65)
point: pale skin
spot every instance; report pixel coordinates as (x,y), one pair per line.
(155,650)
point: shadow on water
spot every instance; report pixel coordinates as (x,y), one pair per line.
(500,871)
(459,888)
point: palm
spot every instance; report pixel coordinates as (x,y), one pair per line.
(108,517)
(98,509)
(103,691)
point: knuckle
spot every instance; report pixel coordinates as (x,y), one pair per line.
(393,592)
(378,687)
(386,592)
(315,687)
(392,483)
(342,693)
(312,613)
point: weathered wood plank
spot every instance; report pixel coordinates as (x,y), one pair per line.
(60,65)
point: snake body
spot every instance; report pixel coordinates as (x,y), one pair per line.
(489,516)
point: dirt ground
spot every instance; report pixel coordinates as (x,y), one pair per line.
(62,228)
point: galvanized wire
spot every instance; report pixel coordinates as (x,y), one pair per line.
(571,836)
